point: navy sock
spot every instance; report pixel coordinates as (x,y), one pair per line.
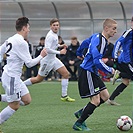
(88,110)
(117,91)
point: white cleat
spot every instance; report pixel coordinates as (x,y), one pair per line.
(112,102)
(116,76)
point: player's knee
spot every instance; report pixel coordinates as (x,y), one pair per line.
(126,81)
(105,98)
(27,101)
(16,108)
(97,102)
(66,75)
(105,95)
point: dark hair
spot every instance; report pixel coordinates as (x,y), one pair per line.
(74,38)
(132,19)
(23,21)
(59,37)
(42,38)
(53,21)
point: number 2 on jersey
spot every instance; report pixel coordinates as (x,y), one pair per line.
(9,47)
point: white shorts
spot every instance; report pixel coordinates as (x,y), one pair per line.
(14,88)
(47,65)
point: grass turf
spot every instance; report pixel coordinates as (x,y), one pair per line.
(48,114)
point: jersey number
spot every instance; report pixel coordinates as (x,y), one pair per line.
(9,47)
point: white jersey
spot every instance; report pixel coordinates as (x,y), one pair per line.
(2,51)
(0,55)
(50,61)
(17,52)
(51,45)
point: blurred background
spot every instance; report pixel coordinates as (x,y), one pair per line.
(78,18)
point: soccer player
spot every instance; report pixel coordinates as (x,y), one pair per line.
(90,85)
(51,62)
(124,62)
(0,65)
(17,53)
(0,55)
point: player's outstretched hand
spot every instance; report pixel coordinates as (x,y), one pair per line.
(63,51)
(43,52)
(63,46)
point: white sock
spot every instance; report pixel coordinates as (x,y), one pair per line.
(28,82)
(3,97)
(6,113)
(64,83)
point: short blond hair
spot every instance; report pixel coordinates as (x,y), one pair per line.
(108,22)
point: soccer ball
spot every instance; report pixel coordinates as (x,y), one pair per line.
(124,123)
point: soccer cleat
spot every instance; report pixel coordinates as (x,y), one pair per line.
(112,102)
(67,99)
(116,76)
(80,127)
(78,114)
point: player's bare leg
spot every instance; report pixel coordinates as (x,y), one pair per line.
(64,82)
(37,79)
(104,95)
(26,99)
(34,80)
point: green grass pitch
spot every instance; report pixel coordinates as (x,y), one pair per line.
(48,114)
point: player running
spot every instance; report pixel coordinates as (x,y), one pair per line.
(17,53)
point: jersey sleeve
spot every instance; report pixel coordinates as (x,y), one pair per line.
(81,51)
(97,49)
(24,54)
(48,46)
(0,55)
(84,45)
(117,46)
(2,50)
(52,51)
(122,41)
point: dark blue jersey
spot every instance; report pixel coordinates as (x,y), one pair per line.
(125,42)
(96,45)
(84,45)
